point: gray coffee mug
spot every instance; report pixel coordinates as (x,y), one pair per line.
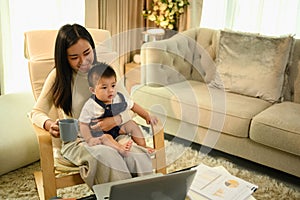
(68,129)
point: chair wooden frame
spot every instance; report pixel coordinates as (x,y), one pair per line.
(48,183)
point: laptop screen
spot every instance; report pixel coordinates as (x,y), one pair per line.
(167,187)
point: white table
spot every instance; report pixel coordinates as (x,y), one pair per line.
(102,190)
(195,196)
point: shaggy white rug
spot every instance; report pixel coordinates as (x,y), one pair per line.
(20,184)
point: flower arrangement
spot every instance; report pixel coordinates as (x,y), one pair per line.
(165,13)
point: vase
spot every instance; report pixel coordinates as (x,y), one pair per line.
(169,33)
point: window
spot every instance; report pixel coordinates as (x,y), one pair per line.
(21,16)
(268,17)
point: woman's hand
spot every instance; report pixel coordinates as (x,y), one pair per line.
(107,123)
(52,127)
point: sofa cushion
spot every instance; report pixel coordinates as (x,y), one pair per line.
(278,127)
(252,64)
(195,103)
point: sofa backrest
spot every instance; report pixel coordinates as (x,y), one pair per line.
(292,87)
(181,58)
(204,42)
(206,38)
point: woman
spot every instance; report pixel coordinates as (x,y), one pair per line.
(66,88)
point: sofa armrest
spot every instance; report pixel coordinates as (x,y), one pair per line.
(185,56)
(164,62)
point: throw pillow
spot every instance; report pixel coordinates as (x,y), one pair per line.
(252,64)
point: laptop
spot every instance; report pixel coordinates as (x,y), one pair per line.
(174,186)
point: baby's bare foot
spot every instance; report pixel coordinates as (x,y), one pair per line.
(125,148)
(128,145)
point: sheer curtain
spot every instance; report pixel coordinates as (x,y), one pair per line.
(20,16)
(124,18)
(268,17)
(125,22)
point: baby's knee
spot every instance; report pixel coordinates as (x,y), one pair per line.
(131,125)
(106,137)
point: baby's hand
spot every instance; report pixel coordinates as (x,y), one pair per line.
(152,120)
(92,141)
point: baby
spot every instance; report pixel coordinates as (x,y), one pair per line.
(107,102)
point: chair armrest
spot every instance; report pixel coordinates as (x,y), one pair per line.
(46,153)
(159,146)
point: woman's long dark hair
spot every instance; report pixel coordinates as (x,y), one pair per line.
(67,36)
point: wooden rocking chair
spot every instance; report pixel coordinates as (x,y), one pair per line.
(39,50)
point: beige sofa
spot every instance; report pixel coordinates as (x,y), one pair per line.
(18,143)
(235,92)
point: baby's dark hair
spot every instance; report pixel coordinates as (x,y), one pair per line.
(98,71)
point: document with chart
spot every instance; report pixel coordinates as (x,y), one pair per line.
(217,183)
